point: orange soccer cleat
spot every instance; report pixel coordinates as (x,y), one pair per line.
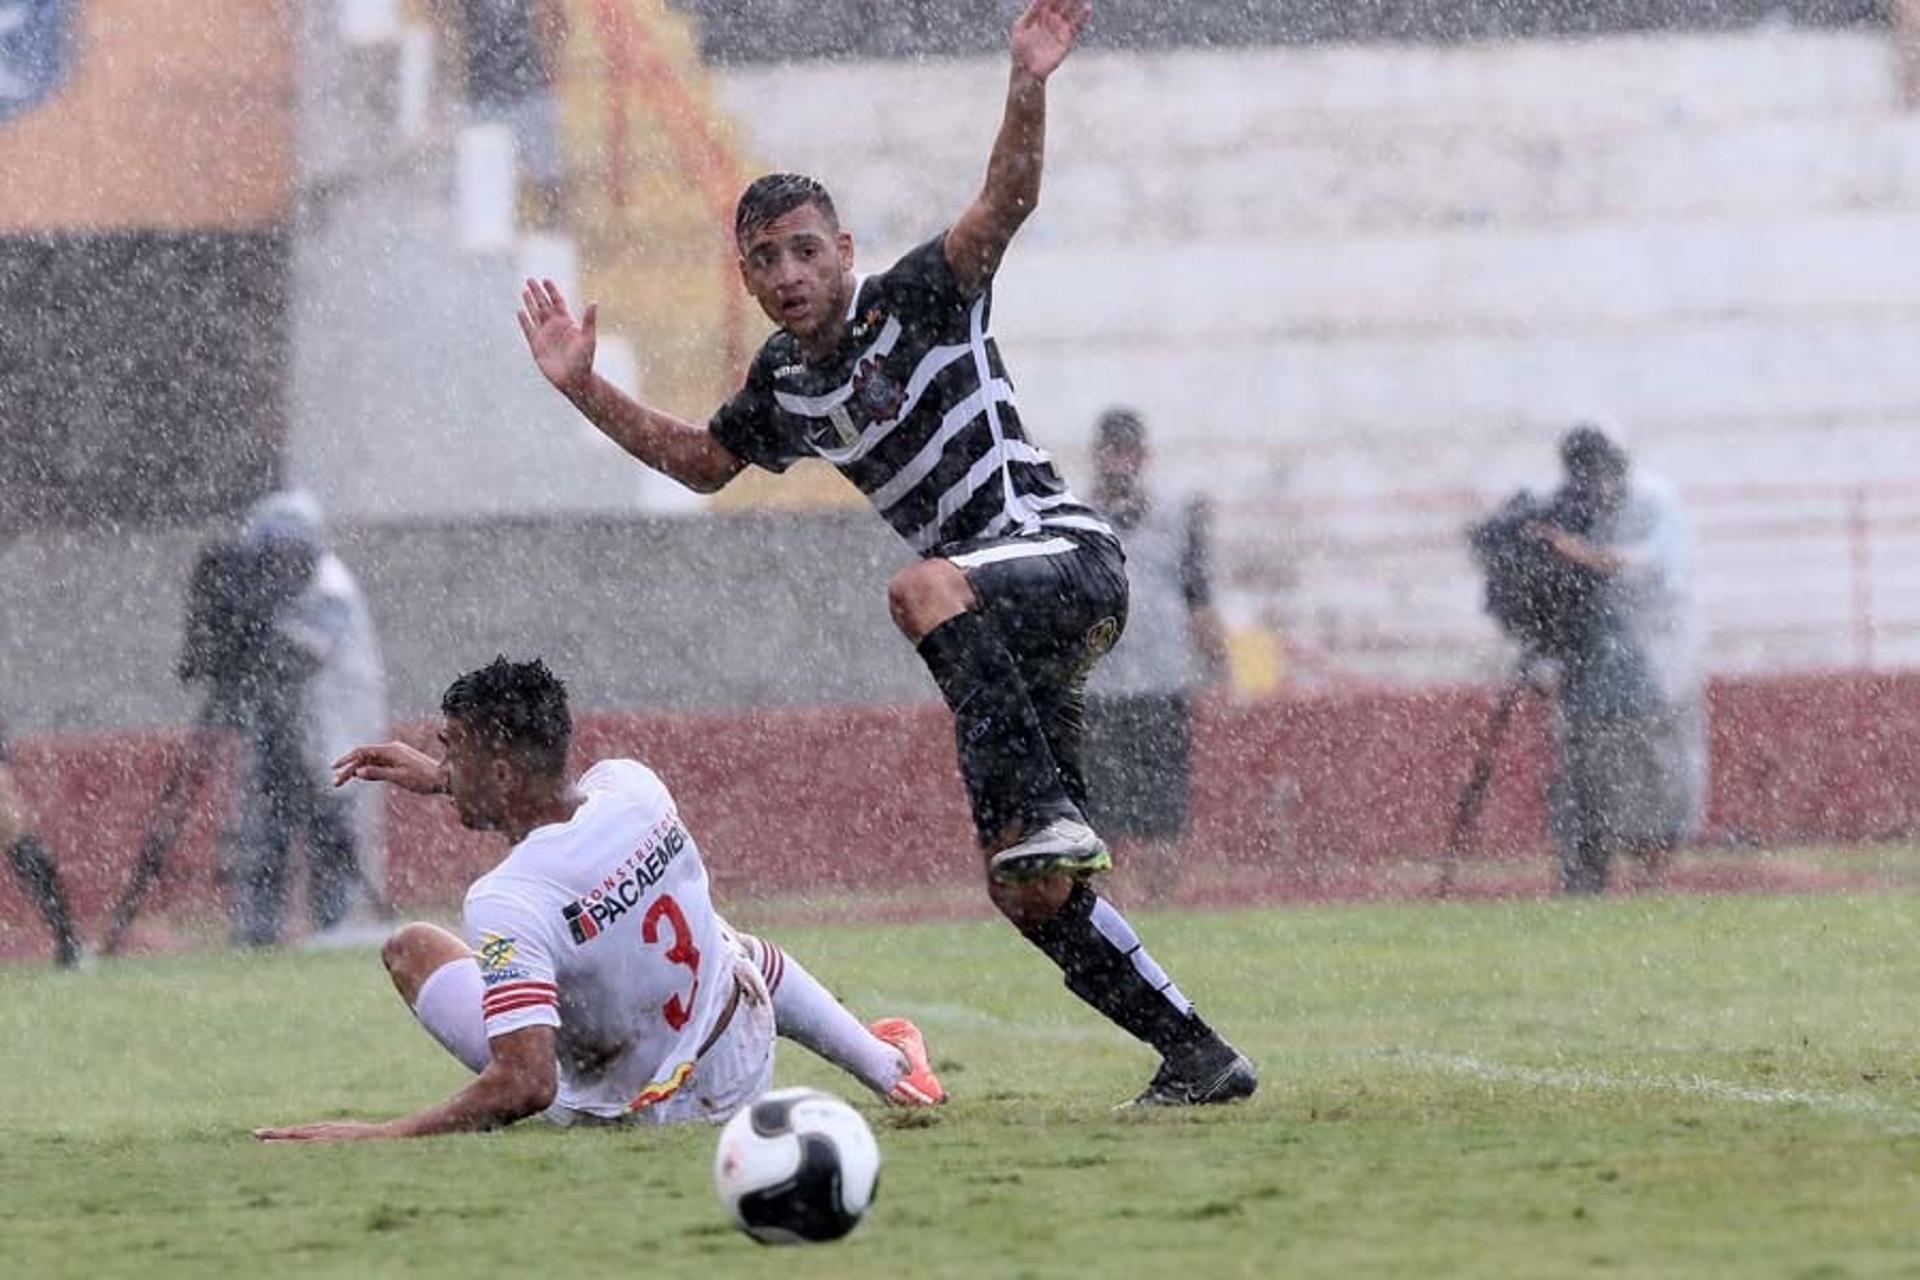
(919,1087)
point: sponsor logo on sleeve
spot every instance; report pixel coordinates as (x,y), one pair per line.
(496,952)
(499,961)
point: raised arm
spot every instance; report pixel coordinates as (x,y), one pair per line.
(563,348)
(978,239)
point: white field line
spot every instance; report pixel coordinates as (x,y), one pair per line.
(1894,1119)
(1899,1120)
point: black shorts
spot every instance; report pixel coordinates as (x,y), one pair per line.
(1139,753)
(1058,601)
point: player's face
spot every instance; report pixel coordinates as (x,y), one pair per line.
(1119,465)
(473,778)
(796,269)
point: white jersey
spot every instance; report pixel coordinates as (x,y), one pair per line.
(602,927)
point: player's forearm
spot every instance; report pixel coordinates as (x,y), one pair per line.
(1591,555)
(676,448)
(493,1101)
(1012,188)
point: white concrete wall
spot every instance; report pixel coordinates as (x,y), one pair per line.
(1335,277)
(411,393)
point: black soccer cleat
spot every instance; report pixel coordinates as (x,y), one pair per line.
(1218,1072)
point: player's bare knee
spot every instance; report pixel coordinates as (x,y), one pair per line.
(412,953)
(907,597)
(398,951)
(1030,903)
(922,596)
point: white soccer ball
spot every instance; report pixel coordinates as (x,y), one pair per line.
(796,1166)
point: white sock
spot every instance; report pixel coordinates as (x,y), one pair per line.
(448,1006)
(807,1013)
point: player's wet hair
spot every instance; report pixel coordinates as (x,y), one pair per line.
(774,194)
(1121,427)
(515,707)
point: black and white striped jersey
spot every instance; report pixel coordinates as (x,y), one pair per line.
(915,407)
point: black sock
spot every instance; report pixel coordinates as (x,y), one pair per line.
(1009,770)
(1106,966)
(34,866)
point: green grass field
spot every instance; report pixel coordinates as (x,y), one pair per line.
(1650,1086)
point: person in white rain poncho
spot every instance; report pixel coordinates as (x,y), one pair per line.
(1630,722)
(333,697)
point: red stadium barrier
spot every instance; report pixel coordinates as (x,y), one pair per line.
(1313,791)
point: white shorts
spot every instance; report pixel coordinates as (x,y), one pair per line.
(735,1069)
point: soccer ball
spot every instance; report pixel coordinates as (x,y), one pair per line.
(796,1166)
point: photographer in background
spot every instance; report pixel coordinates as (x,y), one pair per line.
(1140,698)
(278,630)
(1595,584)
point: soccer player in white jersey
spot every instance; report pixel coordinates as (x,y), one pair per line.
(896,380)
(600,984)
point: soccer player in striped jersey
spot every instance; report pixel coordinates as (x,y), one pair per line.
(896,380)
(597,983)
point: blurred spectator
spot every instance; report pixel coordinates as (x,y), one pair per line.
(510,51)
(1630,723)
(33,866)
(289,651)
(1140,698)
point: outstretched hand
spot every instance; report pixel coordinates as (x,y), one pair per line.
(395,762)
(326,1131)
(1043,35)
(561,346)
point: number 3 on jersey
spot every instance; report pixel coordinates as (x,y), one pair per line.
(683,951)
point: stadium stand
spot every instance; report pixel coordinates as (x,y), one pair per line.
(1361,285)
(1366,285)
(793,30)
(141,190)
